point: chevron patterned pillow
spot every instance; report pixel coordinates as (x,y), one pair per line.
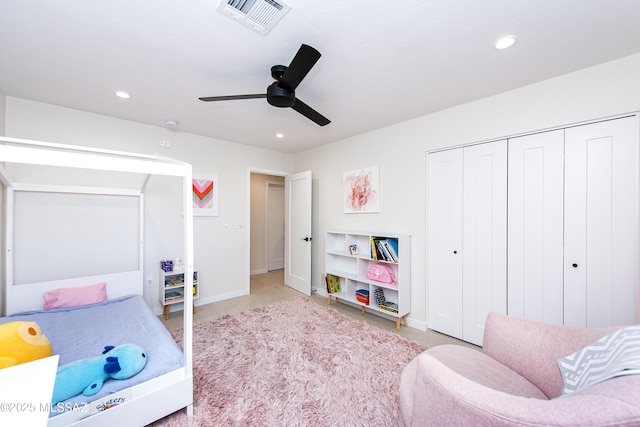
(611,356)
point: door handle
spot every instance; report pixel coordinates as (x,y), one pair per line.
(306,239)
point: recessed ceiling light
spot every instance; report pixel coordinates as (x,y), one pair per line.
(505,42)
(172,123)
(279,135)
(165,144)
(123,95)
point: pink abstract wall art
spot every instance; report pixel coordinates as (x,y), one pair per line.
(361,189)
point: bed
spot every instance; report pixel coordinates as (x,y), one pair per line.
(165,385)
(83,331)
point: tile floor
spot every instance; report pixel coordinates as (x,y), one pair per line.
(269,288)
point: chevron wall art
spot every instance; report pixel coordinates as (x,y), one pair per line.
(205,194)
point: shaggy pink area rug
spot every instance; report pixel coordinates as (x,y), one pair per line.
(294,363)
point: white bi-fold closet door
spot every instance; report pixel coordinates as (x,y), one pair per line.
(536,227)
(566,249)
(573,224)
(466,238)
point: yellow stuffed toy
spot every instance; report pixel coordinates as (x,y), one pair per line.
(22,342)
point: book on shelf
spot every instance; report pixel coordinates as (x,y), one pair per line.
(175,283)
(382,302)
(374,248)
(172,296)
(383,249)
(377,251)
(389,306)
(333,283)
(379,294)
(392,248)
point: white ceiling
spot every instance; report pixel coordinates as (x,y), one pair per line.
(382,62)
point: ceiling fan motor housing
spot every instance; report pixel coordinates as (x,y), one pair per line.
(280,97)
(277,71)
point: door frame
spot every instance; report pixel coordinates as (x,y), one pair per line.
(250,170)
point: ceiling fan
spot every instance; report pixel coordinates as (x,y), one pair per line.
(281,93)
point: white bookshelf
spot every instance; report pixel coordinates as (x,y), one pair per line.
(351,269)
(172,289)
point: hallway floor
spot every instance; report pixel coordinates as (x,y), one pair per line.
(269,288)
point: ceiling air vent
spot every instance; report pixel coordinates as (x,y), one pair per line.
(259,15)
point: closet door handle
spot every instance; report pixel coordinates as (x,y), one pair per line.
(574,265)
(455,252)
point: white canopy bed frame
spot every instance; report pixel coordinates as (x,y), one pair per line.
(162,395)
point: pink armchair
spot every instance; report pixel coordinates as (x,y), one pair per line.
(514,381)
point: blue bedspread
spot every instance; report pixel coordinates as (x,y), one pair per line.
(81,332)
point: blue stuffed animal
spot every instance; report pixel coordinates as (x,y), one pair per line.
(87,376)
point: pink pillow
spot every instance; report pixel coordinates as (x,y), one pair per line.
(72,297)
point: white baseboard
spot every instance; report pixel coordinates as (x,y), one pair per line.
(202,301)
(223,297)
(417,324)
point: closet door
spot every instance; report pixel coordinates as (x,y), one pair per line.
(601,223)
(535,227)
(444,241)
(484,254)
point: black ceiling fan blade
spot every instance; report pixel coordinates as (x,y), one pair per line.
(310,113)
(232,97)
(300,66)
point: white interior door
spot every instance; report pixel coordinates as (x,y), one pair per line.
(444,241)
(275,227)
(297,270)
(484,236)
(601,223)
(535,227)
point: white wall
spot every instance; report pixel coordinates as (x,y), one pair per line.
(606,90)
(221,253)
